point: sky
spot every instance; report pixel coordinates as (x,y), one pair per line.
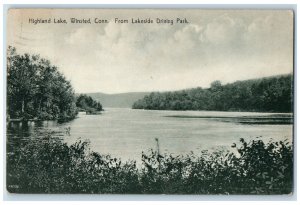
(225,45)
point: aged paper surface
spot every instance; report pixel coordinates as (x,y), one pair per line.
(150,101)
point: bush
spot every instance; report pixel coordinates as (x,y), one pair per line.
(257,168)
(47,165)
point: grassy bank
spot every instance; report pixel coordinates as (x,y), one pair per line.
(47,165)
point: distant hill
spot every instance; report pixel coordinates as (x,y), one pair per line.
(121,100)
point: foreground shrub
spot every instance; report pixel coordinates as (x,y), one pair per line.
(256,168)
(47,165)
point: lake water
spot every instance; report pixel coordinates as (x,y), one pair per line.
(125,133)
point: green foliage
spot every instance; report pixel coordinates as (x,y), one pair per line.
(47,165)
(258,168)
(273,94)
(36,89)
(87,103)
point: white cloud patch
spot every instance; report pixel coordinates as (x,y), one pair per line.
(125,57)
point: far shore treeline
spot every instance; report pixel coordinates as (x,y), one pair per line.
(271,94)
(36,90)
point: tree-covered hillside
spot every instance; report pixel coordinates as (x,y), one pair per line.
(272,94)
(36,89)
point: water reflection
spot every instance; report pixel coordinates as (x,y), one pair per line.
(19,133)
(279,119)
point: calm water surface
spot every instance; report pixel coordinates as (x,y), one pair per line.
(125,133)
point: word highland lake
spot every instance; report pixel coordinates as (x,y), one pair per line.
(105,21)
(107,101)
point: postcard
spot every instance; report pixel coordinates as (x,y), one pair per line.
(150,101)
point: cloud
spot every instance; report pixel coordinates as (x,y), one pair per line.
(227,46)
(225,30)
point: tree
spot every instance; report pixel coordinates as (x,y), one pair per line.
(87,103)
(216,85)
(35,89)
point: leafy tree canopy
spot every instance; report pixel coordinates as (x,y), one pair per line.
(36,89)
(87,103)
(272,94)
